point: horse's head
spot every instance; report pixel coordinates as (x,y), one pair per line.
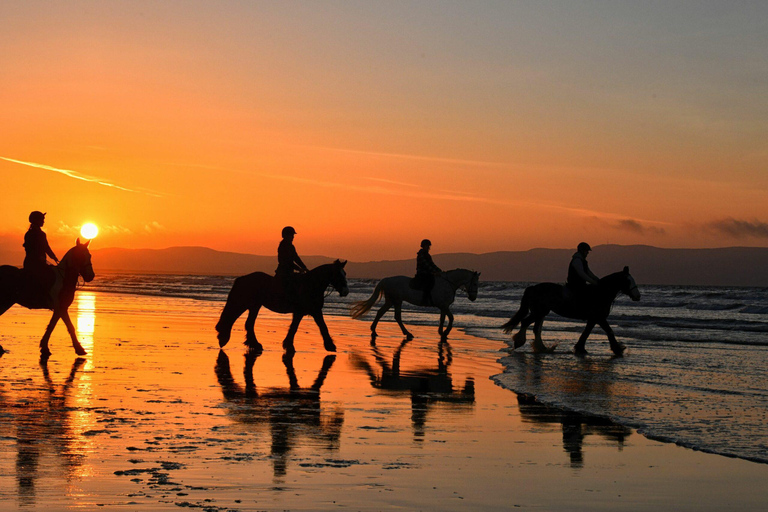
(629,287)
(473,285)
(339,278)
(78,260)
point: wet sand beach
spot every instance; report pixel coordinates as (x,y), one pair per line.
(156,417)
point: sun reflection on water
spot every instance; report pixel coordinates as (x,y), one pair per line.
(86,318)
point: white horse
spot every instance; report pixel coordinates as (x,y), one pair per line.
(397,289)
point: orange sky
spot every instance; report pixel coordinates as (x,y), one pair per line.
(368,126)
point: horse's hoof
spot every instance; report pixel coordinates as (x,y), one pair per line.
(518,342)
(81,351)
(619,349)
(254,349)
(223,340)
(408,336)
(580,351)
(329,346)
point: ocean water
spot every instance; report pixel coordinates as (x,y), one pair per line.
(695,373)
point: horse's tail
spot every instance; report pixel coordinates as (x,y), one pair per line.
(237,303)
(521,313)
(360,308)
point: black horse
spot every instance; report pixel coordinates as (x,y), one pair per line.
(258,289)
(594,307)
(17,287)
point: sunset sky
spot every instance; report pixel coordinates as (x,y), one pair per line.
(368,126)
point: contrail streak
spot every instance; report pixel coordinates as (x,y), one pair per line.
(76,175)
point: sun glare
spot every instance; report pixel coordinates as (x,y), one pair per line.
(89,231)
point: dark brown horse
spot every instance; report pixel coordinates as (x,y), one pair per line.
(594,306)
(17,287)
(258,289)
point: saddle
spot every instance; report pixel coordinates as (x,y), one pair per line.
(40,287)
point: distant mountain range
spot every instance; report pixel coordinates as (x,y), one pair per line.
(730,266)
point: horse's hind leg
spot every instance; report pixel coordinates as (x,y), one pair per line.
(443,314)
(5,306)
(617,347)
(519,337)
(399,319)
(581,346)
(288,341)
(383,309)
(79,350)
(250,335)
(538,343)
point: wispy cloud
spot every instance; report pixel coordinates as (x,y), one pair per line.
(737,228)
(640,228)
(403,156)
(402,189)
(78,176)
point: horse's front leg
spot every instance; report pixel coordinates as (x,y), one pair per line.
(327,340)
(79,350)
(288,341)
(399,319)
(44,350)
(442,321)
(617,347)
(250,334)
(581,346)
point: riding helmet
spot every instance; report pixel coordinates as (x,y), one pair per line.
(426,243)
(288,230)
(36,217)
(583,247)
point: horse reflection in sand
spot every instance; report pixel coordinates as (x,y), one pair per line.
(16,287)
(594,306)
(397,289)
(44,422)
(576,427)
(593,380)
(426,386)
(294,414)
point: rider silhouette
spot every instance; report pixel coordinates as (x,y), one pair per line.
(288,262)
(425,271)
(579,275)
(37,248)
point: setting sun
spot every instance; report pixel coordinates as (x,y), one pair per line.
(89,230)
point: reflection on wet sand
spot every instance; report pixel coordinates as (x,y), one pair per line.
(575,426)
(425,385)
(294,414)
(86,318)
(49,419)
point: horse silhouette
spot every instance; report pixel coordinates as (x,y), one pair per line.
(252,291)
(293,414)
(18,287)
(594,306)
(397,290)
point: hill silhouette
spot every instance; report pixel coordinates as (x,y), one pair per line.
(729,266)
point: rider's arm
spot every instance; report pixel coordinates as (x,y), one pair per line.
(579,267)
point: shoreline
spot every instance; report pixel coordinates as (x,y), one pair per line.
(156,417)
